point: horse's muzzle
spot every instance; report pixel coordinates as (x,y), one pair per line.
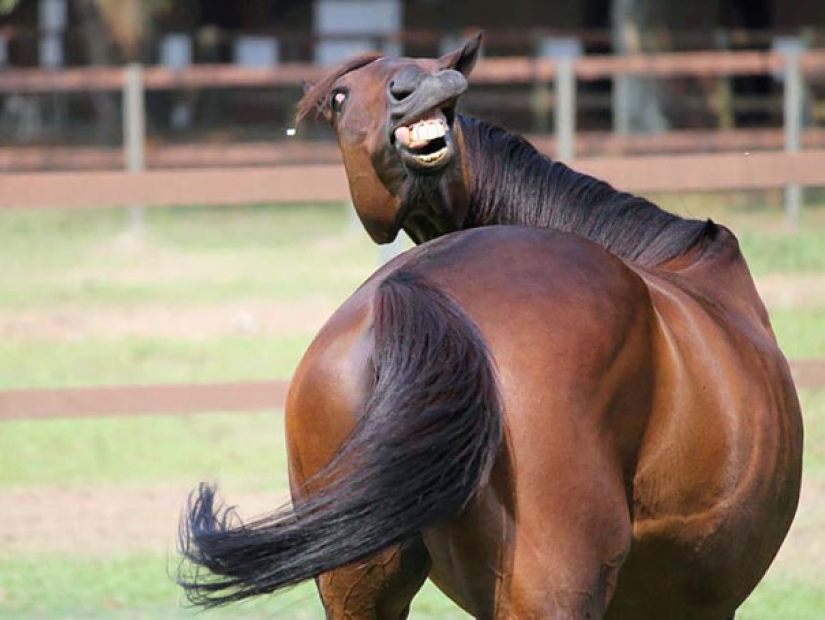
(413,95)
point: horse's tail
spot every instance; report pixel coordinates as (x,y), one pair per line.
(425,442)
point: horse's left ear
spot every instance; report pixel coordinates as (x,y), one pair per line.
(463,60)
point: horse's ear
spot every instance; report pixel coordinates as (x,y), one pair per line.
(310,104)
(464,59)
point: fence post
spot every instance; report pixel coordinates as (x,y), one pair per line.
(565,109)
(793,128)
(134,133)
(540,104)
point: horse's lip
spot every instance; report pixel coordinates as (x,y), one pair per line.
(408,156)
(411,160)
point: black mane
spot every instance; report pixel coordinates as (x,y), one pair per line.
(512,183)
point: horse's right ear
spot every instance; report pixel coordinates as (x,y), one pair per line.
(309,104)
(463,60)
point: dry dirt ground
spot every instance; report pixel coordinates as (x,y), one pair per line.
(104,520)
(159,321)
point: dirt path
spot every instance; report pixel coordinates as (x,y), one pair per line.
(103,520)
(302,316)
(799,290)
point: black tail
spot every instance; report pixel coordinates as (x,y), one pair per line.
(425,442)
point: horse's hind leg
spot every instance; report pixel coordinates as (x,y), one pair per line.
(379,588)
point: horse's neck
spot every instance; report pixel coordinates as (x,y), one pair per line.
(498,177)
(511,183)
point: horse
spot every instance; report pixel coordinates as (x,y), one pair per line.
(564,403)
(414,163)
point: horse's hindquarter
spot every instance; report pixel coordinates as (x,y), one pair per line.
(635,409)
(718,476)
(570,329)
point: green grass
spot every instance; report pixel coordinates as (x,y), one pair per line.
(156,448)
(149,360)
(104,361)
(60,264)
(244,447)
(800,331)
(141,587)
(784,598)
(133,586)
(813,416)
(186,256)
(783,251)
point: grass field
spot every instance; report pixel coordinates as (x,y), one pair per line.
(89,507)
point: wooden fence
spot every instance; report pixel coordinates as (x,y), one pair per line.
(791,168)
(294,152)
(560,101)
(508,70)
(327,182)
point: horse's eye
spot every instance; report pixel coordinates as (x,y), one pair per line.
(336,100)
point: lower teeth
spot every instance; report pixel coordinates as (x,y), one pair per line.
(431,157)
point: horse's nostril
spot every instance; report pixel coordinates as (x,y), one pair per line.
(399,91)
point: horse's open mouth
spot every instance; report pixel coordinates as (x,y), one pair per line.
(424,143)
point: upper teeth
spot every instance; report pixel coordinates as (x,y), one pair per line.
(421,133)
(428,130)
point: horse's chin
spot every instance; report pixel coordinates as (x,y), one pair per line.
(381,232)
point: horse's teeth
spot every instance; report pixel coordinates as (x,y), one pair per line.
(432,157)
(425,131)
(419,134)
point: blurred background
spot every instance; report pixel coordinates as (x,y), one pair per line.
(220,106)
(168,249)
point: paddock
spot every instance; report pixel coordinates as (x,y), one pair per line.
(230,297)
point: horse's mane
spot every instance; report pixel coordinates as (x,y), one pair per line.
(512,183)
(317,96)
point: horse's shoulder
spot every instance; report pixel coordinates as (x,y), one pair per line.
(712,280)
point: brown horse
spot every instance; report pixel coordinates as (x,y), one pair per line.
(584,417)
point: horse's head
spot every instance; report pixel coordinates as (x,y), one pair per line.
(395,121)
